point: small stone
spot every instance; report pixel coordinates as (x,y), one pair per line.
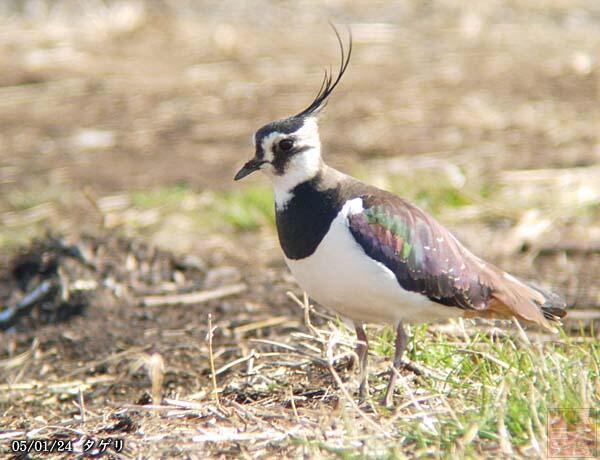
(93,139)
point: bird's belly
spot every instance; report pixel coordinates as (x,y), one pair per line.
(340,276)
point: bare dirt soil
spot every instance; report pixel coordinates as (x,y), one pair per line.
(98,100)
(97,332)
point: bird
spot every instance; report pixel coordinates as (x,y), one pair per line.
(372,256)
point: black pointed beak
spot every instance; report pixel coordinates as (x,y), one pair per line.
(253,165)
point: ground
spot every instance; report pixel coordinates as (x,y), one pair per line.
(121,127)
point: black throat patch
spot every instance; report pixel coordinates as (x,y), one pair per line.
(306,219)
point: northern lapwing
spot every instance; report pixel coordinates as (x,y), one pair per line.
(371,256)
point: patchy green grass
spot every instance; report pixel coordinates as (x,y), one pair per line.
(488,393)
(247,209)
(168,196)
(14,237)
(28,211)
(244,209)
(159,209)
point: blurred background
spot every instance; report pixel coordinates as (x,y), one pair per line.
(122,124)
(132,116)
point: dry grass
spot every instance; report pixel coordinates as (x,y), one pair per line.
(481,391)
(130,117)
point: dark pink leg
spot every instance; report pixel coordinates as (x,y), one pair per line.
(400,347)
(362,351)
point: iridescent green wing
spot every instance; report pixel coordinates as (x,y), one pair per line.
(423,255)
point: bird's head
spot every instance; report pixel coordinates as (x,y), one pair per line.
(289,150)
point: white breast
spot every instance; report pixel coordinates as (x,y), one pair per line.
(340,276)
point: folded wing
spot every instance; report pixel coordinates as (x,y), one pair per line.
(422,254)
(426,258)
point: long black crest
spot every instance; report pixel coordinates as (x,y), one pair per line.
(329,83)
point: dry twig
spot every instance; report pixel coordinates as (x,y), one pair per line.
(213,375)
(306,307)
(193,297)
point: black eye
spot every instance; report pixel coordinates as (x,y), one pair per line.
(286,144)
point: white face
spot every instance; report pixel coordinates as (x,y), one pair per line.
(302,162)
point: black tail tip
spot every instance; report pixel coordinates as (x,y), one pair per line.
(554,307)
(554,313)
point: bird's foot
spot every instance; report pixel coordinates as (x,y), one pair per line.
(367,406)
(353,362)
(388,399)
(412,367)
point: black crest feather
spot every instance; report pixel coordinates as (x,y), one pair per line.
(329,84)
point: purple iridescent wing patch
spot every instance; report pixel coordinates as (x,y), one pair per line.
(423,255)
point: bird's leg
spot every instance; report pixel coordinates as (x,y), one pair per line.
(362,351)
(400,347)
